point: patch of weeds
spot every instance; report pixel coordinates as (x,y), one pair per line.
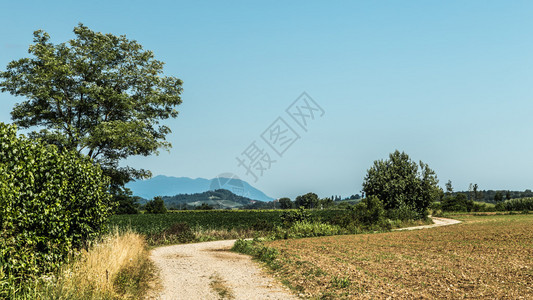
(135,278)
(256,249)
(177,233)
(220,287)
(340,283)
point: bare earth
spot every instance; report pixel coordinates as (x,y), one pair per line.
(209,271)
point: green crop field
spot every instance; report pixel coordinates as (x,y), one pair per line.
(210,219)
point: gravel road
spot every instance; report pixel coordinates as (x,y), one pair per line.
(210,271)
(437,222)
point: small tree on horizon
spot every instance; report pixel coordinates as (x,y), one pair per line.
(285,203)
(309,200)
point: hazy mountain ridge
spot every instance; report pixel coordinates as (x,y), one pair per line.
(162,185)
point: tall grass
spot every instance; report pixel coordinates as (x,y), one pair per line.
(115,267)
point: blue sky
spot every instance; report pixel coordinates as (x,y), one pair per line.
(450,83)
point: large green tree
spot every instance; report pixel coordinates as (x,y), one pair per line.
(98,94)
(400,182)
(309,200)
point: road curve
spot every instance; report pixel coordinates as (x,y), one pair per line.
(437,222)
(189,271)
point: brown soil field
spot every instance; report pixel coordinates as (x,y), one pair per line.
(485,257)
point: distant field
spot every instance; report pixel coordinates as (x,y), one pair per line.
(486,257)
(211,219)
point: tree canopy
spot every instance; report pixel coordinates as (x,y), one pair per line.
(309,200)
(399,182)
(98,94)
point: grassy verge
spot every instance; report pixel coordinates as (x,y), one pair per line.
(489,256)
(116,267)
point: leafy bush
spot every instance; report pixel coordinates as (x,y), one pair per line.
(403,213)
(156,206)
(519,204)
(369,211)
(51,202)
(204,206)
(457,203)
(308,229)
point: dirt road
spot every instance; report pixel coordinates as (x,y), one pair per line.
(437,222)
(209,271)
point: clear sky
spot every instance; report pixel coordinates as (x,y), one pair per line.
(448,82)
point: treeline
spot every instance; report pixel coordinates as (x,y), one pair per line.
(495,196)
(460,203)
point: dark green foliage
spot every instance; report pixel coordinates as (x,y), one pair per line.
(99,94)
(524,204)
(309,200)
(176,233)
(325,203)
(262,225)
(51,202)
(285,203)
(290,217)
(403,213)
(126,203)
(495,196)
(498,197)
(369,211)
(263,205)
(457,203)
(156,206)
(399,182)
(204,206)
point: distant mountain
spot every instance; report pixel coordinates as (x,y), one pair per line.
(170,186)
(218,199)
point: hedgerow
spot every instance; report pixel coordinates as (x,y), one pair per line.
(51,203)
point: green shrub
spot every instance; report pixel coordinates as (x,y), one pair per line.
(308,229)
(369,211)
(518,204)
(458,202)
(51,202)
(156,206)
(403,213)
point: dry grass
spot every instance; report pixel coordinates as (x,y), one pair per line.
(116,267)
(484,257)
